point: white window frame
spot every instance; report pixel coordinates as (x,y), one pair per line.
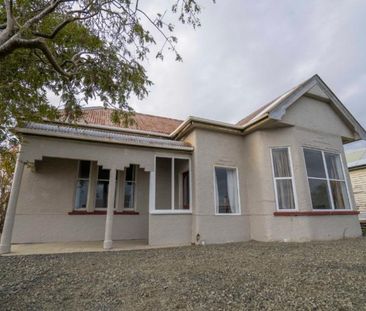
(238,189)
(328,180)
(135,170)
(284,178)
(172,210)
(77,180)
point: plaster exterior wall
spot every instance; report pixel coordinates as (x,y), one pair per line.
(213,148)
(316,115)
(47,196)
(170,229)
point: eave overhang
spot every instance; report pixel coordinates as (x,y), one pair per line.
(94,135)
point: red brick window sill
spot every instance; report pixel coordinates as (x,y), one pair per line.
(316,213)
(103,213)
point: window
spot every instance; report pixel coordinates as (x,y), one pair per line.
(101,199)
(283,178)
(82,184)
(185,181)
(172,184)
(130,187)
(226,191)
(326,178)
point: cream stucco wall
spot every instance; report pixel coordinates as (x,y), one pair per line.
(47,196)
(213,148)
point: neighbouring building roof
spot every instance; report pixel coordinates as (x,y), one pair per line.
(143,122)
(356,158)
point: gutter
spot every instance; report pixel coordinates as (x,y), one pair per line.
(110,128)
(191,122)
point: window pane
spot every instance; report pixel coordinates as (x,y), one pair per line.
(186,190)
(84,169)
(130,173)
(129,194)
(285,194)
(226,190)
(334,166)
(339,193)
(314,163)
(163,195)
(101,194)
(319,194)
(81,193)
(102,173)
(281,162)
(181,166)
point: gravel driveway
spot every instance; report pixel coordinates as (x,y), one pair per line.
(251,275)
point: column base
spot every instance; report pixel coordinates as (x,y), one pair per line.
(107,244)
(4,249)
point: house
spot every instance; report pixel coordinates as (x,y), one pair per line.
(277,175)
(356,160)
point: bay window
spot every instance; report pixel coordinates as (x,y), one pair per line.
(283,178)
(226,190)
(328,188)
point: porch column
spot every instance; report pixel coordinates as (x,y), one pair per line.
(152,191)
(93,176)
(5,243)
(120,191)
(109,219)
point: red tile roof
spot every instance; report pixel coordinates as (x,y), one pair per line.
(143,122)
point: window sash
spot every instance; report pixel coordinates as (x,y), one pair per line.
(172,208)
(130,183)
(329,181)
(279,199)
(234,193)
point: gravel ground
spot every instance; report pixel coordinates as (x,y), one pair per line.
(251,275)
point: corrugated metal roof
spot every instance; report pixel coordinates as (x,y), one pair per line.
(356,157)
(50,129)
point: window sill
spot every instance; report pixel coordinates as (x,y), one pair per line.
(103,213)
(316,213)
(171,212)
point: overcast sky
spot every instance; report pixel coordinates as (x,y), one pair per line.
(249,52)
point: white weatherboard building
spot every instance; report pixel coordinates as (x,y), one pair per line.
(277,175)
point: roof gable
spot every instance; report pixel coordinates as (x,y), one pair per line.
(314,87)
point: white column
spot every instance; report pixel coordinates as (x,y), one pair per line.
(120,191)
(152,192)
(93,177)
(5,243)
(109,219)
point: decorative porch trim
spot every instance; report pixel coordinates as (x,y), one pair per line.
(316,213)
(103,213)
